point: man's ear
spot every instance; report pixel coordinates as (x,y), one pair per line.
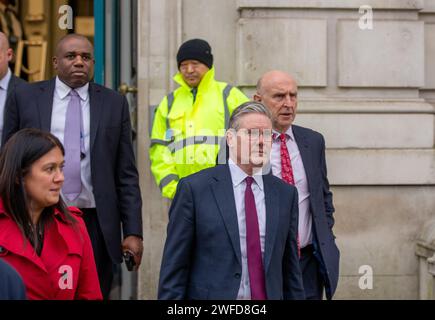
(257,97)
(10,54)
(54,60)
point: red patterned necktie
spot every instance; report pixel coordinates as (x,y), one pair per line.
(286,165)
(287,170)
(253,246)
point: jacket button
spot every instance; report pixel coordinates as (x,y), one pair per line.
(237,276)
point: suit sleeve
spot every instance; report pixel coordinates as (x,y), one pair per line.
(177,254)
(292,275)
(129,197)
(11,120)
(327,194)
(88,285)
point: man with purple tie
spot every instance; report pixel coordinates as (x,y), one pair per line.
(93,123)
(232,231)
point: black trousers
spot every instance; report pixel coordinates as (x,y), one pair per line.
(102,259)
(311,274)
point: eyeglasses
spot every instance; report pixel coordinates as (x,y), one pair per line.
(254,134)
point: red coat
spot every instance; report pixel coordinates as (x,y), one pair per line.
(66,268)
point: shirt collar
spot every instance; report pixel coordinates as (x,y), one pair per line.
(289,134)
(238,175)
(4,83)
(63,90)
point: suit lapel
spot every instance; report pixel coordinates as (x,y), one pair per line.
(272,217)
(95,106)
(224,196)
(304,150)
(45,103)
(11,86)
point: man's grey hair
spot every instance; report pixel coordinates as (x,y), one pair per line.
(247,108)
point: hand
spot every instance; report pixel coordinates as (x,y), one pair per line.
(134,245)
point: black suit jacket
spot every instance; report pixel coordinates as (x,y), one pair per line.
(114,174)
(202,257)
(13,83)
(311,146)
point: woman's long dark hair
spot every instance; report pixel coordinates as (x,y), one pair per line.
(17,156)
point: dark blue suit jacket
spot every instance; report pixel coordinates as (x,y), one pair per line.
(14,82)
(114,175)
(11,284)
(202,258)
(311,145)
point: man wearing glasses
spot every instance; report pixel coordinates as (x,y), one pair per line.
(232,230)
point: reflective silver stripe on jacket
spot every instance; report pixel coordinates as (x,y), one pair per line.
(181,144)
(225,94)
(158,141)
(170,98)
(167,180)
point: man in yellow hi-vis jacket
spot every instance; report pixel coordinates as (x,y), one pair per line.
(189,123)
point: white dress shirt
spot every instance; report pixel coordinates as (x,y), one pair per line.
(301,183)
(4,83)
(238,177)
(61,100)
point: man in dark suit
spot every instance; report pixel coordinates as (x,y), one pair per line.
(8,81)
(11,284)
(232,231)
(93,123)
(298,157)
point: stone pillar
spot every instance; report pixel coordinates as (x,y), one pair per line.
(425,251)
(156,45)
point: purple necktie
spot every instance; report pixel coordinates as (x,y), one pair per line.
(253,246)
(72,143)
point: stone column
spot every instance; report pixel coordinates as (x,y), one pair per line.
(425,251)
(157,45)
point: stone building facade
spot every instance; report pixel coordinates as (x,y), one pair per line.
(370,91)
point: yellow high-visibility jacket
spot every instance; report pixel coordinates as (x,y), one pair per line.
(186,134)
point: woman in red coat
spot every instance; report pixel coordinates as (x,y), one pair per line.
(46,242)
